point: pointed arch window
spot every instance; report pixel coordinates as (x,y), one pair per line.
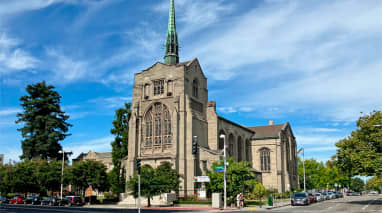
(195,88)
(265,159)
(158,132)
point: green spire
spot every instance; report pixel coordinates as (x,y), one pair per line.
(171,45)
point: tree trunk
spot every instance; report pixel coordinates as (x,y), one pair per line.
(148,202)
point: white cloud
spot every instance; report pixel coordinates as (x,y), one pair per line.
(12,57)
(9,111)
(111,102)
(96,145)
(309,140)
(196,15)
(67,69)
(323,57)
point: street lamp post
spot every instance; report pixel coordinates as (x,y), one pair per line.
(303,164)
(62,171)
(225,172)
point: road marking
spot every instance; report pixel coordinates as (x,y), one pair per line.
(365,207)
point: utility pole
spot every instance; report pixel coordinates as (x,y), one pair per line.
(225,171)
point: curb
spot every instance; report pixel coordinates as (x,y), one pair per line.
(275,207)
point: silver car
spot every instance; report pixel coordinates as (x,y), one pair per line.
(319,197)
(332,195)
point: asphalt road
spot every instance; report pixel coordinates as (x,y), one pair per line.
(343,205)
(356,204)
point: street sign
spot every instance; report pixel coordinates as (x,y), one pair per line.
(219,170)
(201,179)
(219,167)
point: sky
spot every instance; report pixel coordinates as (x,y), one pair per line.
(314,64)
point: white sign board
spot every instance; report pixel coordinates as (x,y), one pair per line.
(202,179)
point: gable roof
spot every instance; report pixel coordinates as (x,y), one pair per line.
(267,132)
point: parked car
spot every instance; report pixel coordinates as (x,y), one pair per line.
(339,194)
(319,197)
(312,198)
(300,198)
(50,201)
(3,199)
(74,200)
(34,200)
(17,200)
(372,193)
(353,194)
(325,196)
(332,195)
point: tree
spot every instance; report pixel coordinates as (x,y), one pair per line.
(238,174)
(357,184)
(361,152)
(24,178)
(88,173)
(49,175)
(163,179)
(374,184)
(44,122)
(149,186)
(119,147)
(259,191)
(6,177)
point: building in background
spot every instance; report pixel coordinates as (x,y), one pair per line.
(103,157)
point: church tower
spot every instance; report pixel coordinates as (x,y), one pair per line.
(168,109)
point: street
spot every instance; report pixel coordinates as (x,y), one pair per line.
(344,205)
(348,204)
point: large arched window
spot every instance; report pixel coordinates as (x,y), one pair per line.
(265,159)
(195,88)
(230,145)
(158,127)
(239,149)
(248,150)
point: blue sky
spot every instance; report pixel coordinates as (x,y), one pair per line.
(316,64)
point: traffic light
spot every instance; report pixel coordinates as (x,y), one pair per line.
(194,145)
(138,165)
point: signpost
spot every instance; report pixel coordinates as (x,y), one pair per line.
(219,167)
(201,179)
(219,170)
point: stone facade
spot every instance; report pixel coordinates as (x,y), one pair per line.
(103,157)
(170,105)
(280,143)
(1,159)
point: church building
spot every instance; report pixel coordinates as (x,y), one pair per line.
(170,106)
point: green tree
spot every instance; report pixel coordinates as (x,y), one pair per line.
(24,178)
(357,185)
(49,175)
(163,179)
(374,184)
(119,147)
(149,185)
(238,174)
(87,173)
(7,173)
(361,152)
(259,191)
(44,122)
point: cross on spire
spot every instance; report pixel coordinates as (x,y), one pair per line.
(171,45)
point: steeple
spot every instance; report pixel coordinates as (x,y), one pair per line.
(171,45)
